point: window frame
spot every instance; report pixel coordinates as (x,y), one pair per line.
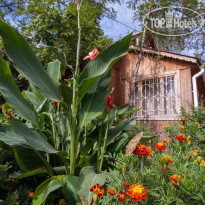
(177,96)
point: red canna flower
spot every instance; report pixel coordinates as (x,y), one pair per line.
(121,196)
(181,138)
(97,190)
(56,102)
(111,192)
(92,54)
(9,112)
(109,101)
(183,120)
(175,179)
(31,194)
(2,108)
(137,192)
(160,146)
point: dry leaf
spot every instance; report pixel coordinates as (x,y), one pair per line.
(133,143)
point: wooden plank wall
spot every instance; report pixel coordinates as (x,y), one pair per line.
(186,94)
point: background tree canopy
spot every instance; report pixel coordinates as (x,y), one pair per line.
(193,43)
(54,23)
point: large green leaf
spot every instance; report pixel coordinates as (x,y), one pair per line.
(67,183)
(22,175)
(101,63)
(67,94)
(94,101)
(30,160)
(60,55)
(27,63)
(126,125)
(27,158)
(87,179)
(54,70)
(13,96)
(8,136)
(33,138)
(33,99)
(119,144)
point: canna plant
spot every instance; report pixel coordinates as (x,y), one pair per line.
(55,120)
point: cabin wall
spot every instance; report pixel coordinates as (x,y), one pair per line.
(122,75)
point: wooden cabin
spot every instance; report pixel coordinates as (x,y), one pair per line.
(162,87)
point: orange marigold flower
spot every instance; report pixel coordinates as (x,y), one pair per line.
(92,54)
(160,146)
(183,120)
(166,127)
(196,123)
(121,196)
(62,202)
(142,150)
(167,159)
(137,192)
(31,194)
(111,192)
(124,168)
(149,152)
(202,163)
(181,137)
(181,128)
(175,179)
(165,140)
(98,190)
(194,153)
(125,185)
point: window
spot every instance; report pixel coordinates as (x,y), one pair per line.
(158,97)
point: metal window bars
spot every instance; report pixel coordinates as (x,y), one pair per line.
(156,96)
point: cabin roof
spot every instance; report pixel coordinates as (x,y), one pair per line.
(177,56)
(168,54)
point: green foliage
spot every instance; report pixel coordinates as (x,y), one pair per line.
(176,44)
(48,143)
(60,29)
(158,185)
(193,128)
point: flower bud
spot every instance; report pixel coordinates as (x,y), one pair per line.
(95,198)
(198,160)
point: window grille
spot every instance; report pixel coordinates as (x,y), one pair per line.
(157,97)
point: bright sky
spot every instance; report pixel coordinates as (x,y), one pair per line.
(114,29)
